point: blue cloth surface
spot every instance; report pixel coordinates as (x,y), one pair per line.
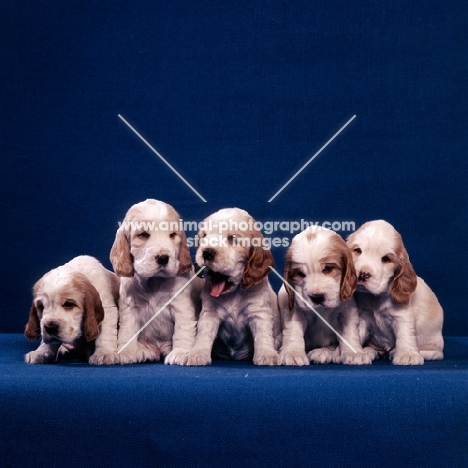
(233,414)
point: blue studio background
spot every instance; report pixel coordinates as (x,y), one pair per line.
(237,96)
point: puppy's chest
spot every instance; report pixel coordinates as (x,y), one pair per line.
(162,325)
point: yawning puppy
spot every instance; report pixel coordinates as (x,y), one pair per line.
(319,266)
(239,318)
(151,255)
(74,305)
(400,314)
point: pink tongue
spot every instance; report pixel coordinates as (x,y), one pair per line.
(217,288)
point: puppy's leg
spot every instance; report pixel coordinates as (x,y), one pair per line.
(261,326)
(406,351)
(432,348)
(351,351)
(292,351)
(46,353)
(106,342)
(207,329)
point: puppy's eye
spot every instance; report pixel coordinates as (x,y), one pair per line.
(357,251)
(40,307)
(327,269)
(299,274)
(231,239)
(68,305)
(173,235)
(386,259)
(143,235)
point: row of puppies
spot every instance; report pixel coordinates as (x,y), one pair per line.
(365,291)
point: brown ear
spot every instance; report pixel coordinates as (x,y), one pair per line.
(287,276)
(348,275)
(120,255)
(32,331)
(185,262)
(257,266)
(405,280)
(93,309)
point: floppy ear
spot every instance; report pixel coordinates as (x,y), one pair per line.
(185,262)
(32,331)
(120,255)
(287,276)
(348,276)
(405,280)
(257,266)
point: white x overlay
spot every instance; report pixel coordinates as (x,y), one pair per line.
(311,159)
(161,157)
(312,309)
(160,310)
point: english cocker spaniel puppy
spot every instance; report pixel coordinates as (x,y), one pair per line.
(239,318)
(401,316)
(75,310)
(319,266)
(151,256)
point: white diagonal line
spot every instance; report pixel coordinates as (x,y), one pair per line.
(161,157)
(312,309)
(161,309)
(312,158)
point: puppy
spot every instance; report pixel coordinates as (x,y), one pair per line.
(151,256)
(400,314)
(74,305)
(239,318)
(319,266)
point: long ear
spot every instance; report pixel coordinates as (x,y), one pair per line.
(257,266)
(185,262)
(287,276)
(93,309)
(32,331)
(348,276)
(405,280)
(120,255)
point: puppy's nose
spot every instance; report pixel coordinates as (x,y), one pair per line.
(317,298)
(51,328)
(364,276)
(208,254)
(162,259)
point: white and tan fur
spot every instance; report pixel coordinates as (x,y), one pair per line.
(319,266)
(154,263)
(239,318)
(400,314)
(75,310)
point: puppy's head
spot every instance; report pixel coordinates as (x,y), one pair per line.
(150,242)
(320,268)
(382,262)
(65,307)
(233,251)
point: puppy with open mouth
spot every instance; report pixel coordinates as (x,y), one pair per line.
(239,318)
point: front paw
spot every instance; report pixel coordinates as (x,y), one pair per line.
(198,358)
(320,356)
(356,359)
(99,358)
(266,357)
(178,357)
(294,358)
(371,353)
(407,358)
(38,357)
(140,354)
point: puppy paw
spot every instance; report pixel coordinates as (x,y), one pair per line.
(99,358)
(140,354)
(198,358)
(407,358)
(371,353)
(432,355)
(35,357)
(266,357)
(177,357)
(320,356)
(355,359)
(294,358)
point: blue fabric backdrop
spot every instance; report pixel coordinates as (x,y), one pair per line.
(237,96)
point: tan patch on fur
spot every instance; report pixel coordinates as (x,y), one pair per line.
(405,280)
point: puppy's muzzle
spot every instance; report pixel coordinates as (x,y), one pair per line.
(51,328)
(364,276)
(317,299)
(208,254)
(162,260)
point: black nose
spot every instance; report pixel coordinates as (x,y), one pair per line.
(162,259)
(208,254)
(364,276)
(52,328)
(317,298)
